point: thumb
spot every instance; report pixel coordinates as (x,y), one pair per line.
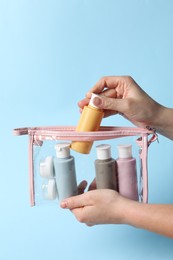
(107,103)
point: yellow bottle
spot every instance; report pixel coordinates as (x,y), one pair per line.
(90,120)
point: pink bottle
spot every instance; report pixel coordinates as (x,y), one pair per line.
(127,175)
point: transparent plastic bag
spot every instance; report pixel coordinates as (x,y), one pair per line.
(42,141)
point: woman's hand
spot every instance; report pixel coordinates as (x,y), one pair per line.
(102,206)
(122,95)
(106,206)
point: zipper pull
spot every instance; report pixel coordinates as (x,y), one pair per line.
(20,131)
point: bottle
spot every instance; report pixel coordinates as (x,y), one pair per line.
(65,173)
(90,120)
(49,189)
(47,168)
(105,168)
(127,175)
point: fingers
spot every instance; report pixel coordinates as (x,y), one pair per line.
(83,102)
(110,82)
(111,104)
(112,87)
(78,201)
(82,186)
(92,185)
(105,82)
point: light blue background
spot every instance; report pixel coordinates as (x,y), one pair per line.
(51,53)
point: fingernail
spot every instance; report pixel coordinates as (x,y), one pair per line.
(97,101)
(63,204)
(79,103)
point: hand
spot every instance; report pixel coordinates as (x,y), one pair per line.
(122,95)
(106,206)
(102,206)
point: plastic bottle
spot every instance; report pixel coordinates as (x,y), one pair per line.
(105,168)
(127,175)
(90,120)
(49,189)
(65,173)
(47,168)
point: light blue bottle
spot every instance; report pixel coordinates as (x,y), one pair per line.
(64,165)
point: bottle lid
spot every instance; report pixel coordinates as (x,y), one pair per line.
(47,168)
(125,151)
(103,151)
(91,100)
(50,190)
(62,150)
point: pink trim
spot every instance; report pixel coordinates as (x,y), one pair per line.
(69,133)
(51,133)
(31,171)
(145,168)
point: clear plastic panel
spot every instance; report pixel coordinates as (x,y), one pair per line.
(45,184)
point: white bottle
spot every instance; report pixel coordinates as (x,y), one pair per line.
(49,189)
(127,175)
(105,168)
(47,168)
(65,173)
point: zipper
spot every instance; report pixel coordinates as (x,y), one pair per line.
(69,133)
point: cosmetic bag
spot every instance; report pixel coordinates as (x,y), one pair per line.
(42,141)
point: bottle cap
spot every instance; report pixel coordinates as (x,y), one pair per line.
(47,168)
(91,100)
(62,150)
(103,151)
(125,151)
(50,190)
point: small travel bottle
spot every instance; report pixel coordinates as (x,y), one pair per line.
(105,168)
(65,173)
(127,175)
(47,168)
(90,120)
(49,189)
